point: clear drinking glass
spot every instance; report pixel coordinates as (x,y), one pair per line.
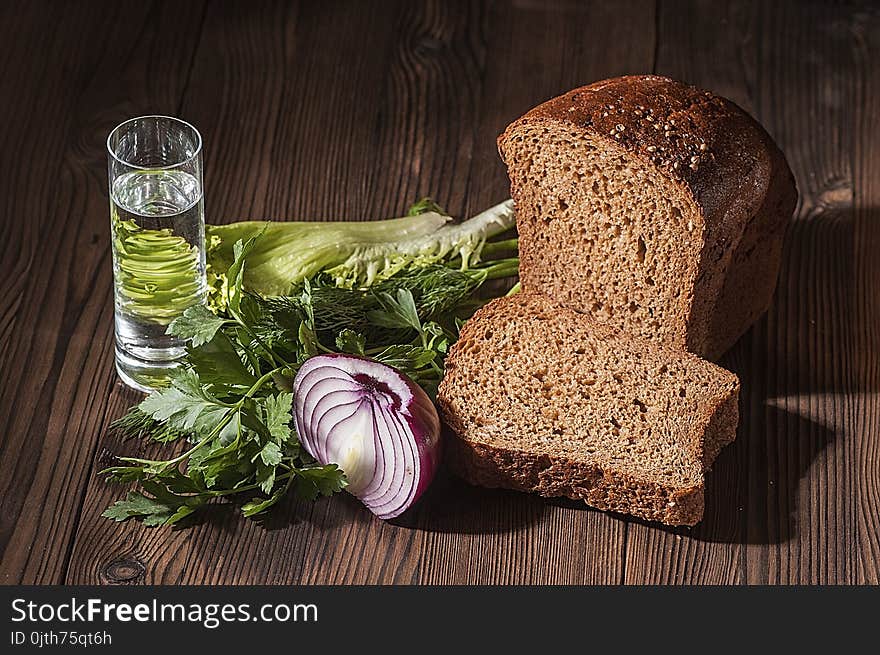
(157,221)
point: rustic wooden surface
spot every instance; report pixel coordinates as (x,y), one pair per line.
(344,110)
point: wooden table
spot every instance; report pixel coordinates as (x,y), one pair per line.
(346,110)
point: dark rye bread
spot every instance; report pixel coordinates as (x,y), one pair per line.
(540,398)
(664,208)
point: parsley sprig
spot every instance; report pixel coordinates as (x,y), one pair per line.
(231,404)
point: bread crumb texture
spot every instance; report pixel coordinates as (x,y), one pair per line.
(541,398)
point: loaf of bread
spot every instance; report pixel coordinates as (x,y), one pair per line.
(650,205)
(541,398)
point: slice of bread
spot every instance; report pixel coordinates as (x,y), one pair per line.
(664,208)
(541,398)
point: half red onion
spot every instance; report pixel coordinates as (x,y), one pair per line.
(373,422)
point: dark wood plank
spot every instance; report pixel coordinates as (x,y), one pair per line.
(782,505)
(864,31)
(97,65)
(811,479)
(19,237)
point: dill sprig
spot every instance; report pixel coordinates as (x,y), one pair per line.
(137,424)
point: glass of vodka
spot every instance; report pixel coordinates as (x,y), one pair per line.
(157,222)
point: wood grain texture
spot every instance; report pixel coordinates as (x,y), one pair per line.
(98,64)
(864,32)
(784,504)
(352,110)
(808,509)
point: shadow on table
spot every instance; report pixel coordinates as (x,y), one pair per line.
(821,317)
(453,506)
(753,492)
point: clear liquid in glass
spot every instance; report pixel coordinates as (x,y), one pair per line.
(157,222)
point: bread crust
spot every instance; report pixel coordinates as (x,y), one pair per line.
(554,477)
(718,155)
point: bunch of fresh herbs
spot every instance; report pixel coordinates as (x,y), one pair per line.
(231,402)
